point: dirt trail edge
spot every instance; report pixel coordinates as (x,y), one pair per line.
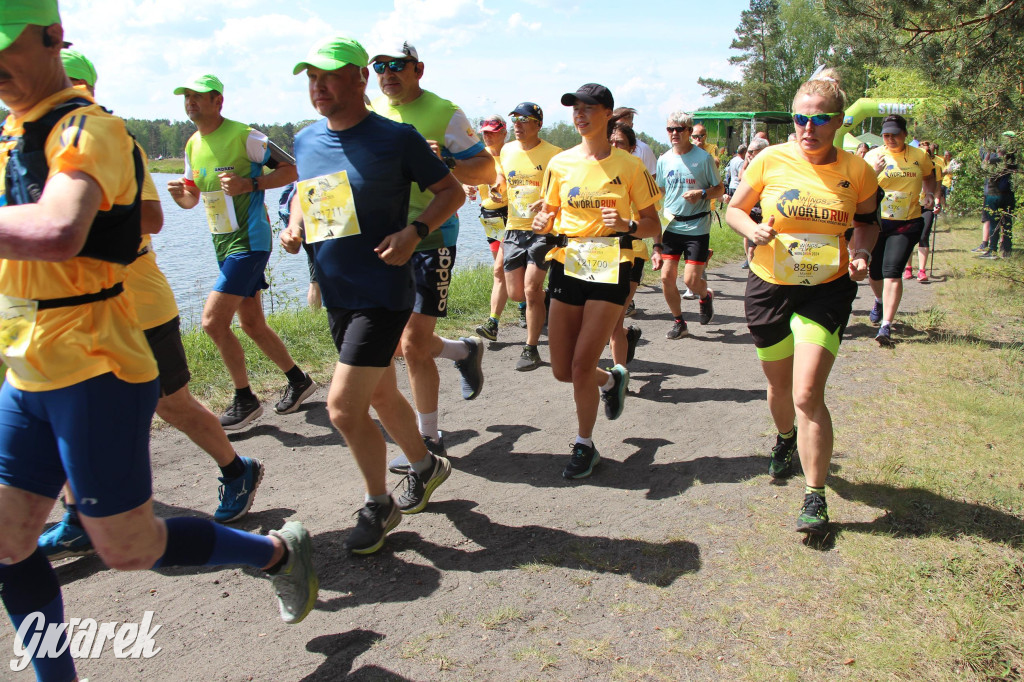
(511,573)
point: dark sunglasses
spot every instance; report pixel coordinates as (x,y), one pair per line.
(524,119)
(676,129)
(395,65)
(817,119)
(700,137)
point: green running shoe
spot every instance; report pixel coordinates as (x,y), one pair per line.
(813,517)
(781,464)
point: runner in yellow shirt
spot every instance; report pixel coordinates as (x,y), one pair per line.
(588,191)
(493,216)
(802,280)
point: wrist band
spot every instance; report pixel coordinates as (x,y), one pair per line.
(658,245)
(255,185)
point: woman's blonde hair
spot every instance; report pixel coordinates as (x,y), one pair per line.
(825,83)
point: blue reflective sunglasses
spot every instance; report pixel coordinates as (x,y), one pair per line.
(395,65)
(817,119)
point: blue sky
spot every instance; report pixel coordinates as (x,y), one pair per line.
(485,55)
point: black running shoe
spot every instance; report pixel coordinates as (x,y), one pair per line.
(240,412)
(631,309)
(781,464)
(582,460)
(522,317)
(374,522)
(488,330)
(528,359)
(615,397)
(471,368)
(813,517)
(633,335)
(677,331)
(707,308)
(294,395)
(418,490)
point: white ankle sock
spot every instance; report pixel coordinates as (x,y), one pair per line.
(428,424)
(589,442)
(454,350)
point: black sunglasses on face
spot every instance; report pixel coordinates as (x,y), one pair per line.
(395,65)
(676,129)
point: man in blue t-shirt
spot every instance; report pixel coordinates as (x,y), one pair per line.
(688,178)
(351,204)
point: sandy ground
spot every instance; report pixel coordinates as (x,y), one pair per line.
(511,573)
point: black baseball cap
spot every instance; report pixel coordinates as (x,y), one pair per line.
(528,109)
(894,124)
(590,93)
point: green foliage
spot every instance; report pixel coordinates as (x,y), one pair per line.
(162,137)
(657,147)
(562,135)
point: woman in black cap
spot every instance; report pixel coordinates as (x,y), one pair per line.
(587,192)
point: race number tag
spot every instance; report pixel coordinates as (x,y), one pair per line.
(594,259)
(17,322)
(494,227)
(806,259)
(220,212)
(328,207)
(520,199)
(896,205)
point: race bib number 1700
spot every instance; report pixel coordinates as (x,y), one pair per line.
(595,259)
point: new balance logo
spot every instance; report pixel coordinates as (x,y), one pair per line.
(845,184)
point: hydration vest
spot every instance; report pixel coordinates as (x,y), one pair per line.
(116,234)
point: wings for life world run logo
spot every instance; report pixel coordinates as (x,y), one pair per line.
(797,205)
(82,638)
(585,198)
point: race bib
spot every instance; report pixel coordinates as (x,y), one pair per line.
(328,207)
(806,259)
(17,322)
(220,212)
(494,227)
(520,199)
(594,259)
(896,205)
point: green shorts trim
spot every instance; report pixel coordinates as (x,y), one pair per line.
(803,331)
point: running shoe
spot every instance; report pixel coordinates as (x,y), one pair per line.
(633,335)
(374,522)
(296,583)
(488,330)
(400,464)
(294,395)
(689,295)
(884,337)
(615,397)
(813,517)
(418,490)
(471,367)
(522,317)
(781,464)
(707,308)
(876,312)
(241,412)
(528,359)
(981,249)
(631,309)
(908,272)
(745,266)
(582,460)
(64,540)
(677,331)
(988,255)
(922,276)
(236,495)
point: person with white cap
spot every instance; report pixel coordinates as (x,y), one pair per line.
(224,163)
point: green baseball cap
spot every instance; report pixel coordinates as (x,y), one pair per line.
(78,67)
(333,53)
(204,83)
(15,15)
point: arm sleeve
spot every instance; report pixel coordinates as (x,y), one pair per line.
(419,163)
(459,138)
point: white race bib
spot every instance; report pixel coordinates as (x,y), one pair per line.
(17,323)
(896,205)
(328,207)
(520,199)
(494,227)
(806,259)
(220,212)
(593,259)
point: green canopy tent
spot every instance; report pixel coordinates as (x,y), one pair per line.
(729,129)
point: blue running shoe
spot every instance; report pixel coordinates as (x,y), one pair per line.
(615,397)
(582,460)
(64,540)
(876,313)
(471,368)
(236,495)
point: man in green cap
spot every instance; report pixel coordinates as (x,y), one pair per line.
(224,163)
(351,204)
(81,385)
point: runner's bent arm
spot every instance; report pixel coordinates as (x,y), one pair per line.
(864,237)
(152,217)
(185,195)
(291,236)
(54,228)
(737,215)
(397,248)
(476,170)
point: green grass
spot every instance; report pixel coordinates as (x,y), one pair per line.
(175,166)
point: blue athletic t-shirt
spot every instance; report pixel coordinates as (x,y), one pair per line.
(679,174)
(382,159)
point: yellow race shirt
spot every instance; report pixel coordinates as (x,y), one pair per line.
(524,172)
(580,187)
(813,206)
(483,192)
(902,179)
(59,347)
(144,282)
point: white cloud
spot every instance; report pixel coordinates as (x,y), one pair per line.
(515,21)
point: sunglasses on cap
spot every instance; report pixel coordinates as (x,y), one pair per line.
(395,65)
(676,129)
(817,119)
(523,119)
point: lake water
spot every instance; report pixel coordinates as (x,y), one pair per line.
(185,254)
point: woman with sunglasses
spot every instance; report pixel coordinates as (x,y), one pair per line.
(803,275)
(624,340)
(588,192)
(903,171)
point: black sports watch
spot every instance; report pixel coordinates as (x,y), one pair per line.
(633,226)
(422,229)
(450,162)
